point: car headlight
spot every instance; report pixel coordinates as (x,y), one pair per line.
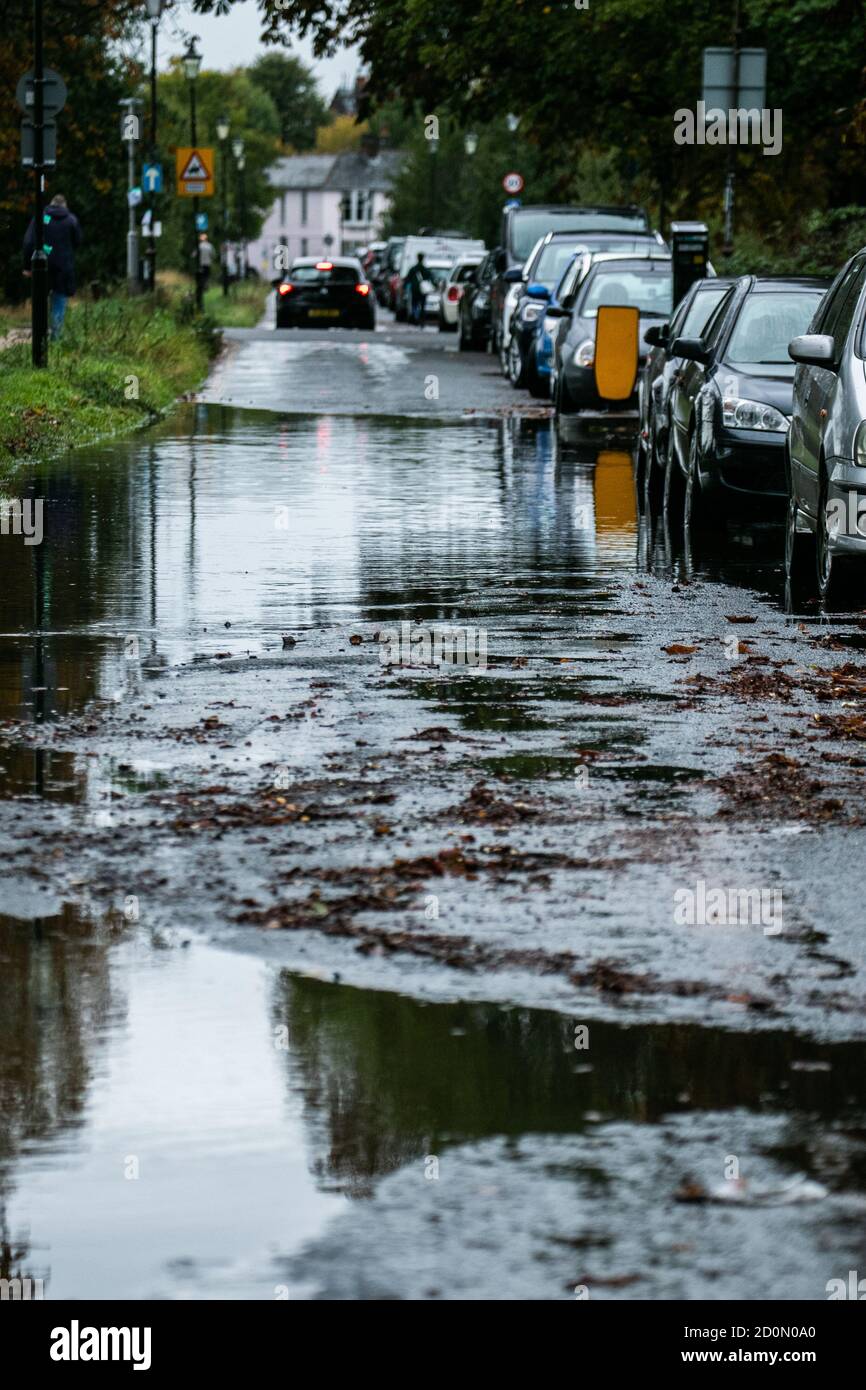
(530,312)
(860,445)
(584,353)
(740,414)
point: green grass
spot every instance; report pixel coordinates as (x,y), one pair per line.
(119,363)
(241,308)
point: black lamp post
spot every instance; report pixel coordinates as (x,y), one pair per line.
(154,12)
(222,130)
(39,259)
(192,67)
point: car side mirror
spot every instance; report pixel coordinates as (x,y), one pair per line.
(558,311)
(535,290)
(514,275)
(658,334)
(813,350)
(692,349)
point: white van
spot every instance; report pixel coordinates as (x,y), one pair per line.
(439,254)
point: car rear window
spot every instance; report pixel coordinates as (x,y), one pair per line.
(766,324)
(314,275)
(647,288)
(526,227)
(700,310)
(553,260)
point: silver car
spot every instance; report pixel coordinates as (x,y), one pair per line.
(825,547)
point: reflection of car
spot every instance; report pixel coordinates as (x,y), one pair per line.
(325,294)
(639,280)
(662,369)
(452,291)
(473,310)
(524,227)
(826,456)
(730,404)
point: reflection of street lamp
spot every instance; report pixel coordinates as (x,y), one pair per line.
(191,62)
(470,143)
(222,130)
(241,163)
(154,12)
(512,122)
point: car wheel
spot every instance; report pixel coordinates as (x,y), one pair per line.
(695,510)
(516,369)
(835,573)
(463,344)
(800,559)
(563,399)
(674,487)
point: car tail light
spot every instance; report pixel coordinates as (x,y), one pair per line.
(324,265)
(454,293)
(285,289)
(363,289)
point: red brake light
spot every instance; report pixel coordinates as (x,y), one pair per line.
(324,265)
(285,289)
(363,289)
(454,293)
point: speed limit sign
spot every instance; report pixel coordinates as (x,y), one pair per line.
(513,182)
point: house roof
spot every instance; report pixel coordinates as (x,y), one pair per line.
(354,169)
(349,169)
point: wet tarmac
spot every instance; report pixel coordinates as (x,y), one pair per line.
(302,923)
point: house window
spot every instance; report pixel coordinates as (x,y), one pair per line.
(304,208)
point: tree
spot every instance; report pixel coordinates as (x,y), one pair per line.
(293,91)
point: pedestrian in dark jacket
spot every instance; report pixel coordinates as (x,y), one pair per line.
(61,237)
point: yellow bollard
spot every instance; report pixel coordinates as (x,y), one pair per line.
(616,352)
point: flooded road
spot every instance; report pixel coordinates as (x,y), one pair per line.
(302,927)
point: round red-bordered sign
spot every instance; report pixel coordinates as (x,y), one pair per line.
(513,182)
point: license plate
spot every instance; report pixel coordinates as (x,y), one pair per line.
(324,313)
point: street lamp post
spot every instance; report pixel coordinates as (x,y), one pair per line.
(130,125)
(241,164)
(154,13)
(39,259)
(434,150)
(192,66)
(222,130)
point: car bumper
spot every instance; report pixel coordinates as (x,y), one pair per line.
(364,317)
(750,462)
(584,392)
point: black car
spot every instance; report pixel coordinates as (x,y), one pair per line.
(332,293)
(523,227)
(730,406)
(473,318)
(548,262)
(662,370)
(639,280)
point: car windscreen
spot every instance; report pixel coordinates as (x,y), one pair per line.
(699,311)
(767,322)
(552,261)
(528,226)
(312,275)
(649,289)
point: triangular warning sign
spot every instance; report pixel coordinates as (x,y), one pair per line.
(195,168)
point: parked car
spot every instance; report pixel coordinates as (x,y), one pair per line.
(473,309)
(555,268)
(825,455)
(662,371)
(325,294)
(452,291)
(731,403)
(439,252)
(640,280)
(387,278)
(523,228)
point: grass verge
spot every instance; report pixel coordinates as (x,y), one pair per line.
(119,363)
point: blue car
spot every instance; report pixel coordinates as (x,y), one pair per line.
(556,267)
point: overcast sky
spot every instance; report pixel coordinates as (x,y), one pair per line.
(232,40)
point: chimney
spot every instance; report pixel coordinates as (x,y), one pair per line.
(369,145)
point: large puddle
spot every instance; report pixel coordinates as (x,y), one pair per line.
(183,1122)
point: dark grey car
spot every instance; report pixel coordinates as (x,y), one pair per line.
(826,455)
